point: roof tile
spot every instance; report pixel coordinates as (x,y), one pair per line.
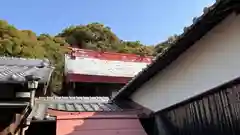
(15,69)
(70,104)
(199,27)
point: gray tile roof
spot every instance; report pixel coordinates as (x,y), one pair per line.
(71,104)
(13,70)
(55,99)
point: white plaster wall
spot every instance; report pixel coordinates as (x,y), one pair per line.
(213,60)
(91,66)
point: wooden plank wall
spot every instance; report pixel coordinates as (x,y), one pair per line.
(216,113)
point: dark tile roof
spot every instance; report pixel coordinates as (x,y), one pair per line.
(13,70)
(211,16)
(71,104)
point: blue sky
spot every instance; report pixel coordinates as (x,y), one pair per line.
(149,21)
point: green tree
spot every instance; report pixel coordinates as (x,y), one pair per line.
(96,36)
(163,46)
(25,43)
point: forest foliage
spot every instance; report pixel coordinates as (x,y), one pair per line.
(94,36)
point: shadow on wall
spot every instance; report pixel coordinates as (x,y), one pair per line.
(66,123)
(109,125)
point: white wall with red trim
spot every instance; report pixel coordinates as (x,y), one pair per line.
(87,62)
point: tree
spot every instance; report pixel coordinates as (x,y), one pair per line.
(25,43)
(163,46)
(94,36)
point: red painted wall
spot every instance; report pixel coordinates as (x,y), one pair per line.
(92,123)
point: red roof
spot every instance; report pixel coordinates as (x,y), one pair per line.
(91,66)
(110,55)
(90,123)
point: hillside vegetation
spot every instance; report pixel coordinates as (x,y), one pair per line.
(94,36)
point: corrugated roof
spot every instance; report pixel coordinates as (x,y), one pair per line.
(13,70)
(201,25)
(70,104)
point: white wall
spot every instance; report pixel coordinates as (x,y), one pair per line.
(213,60)
(91,66)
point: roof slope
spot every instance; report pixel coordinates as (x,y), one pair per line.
(87,124)
(14,70)
(46,106)
(201,25)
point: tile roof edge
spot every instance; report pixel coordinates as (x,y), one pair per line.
(123,92)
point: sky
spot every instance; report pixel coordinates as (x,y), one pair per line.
(149,21)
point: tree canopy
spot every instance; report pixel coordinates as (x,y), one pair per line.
(94,36)
(25,43)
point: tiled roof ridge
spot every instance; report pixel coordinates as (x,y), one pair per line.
(14,69)
(186,30)
(24,58)
(6,60)
(74,99)
(49,107)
